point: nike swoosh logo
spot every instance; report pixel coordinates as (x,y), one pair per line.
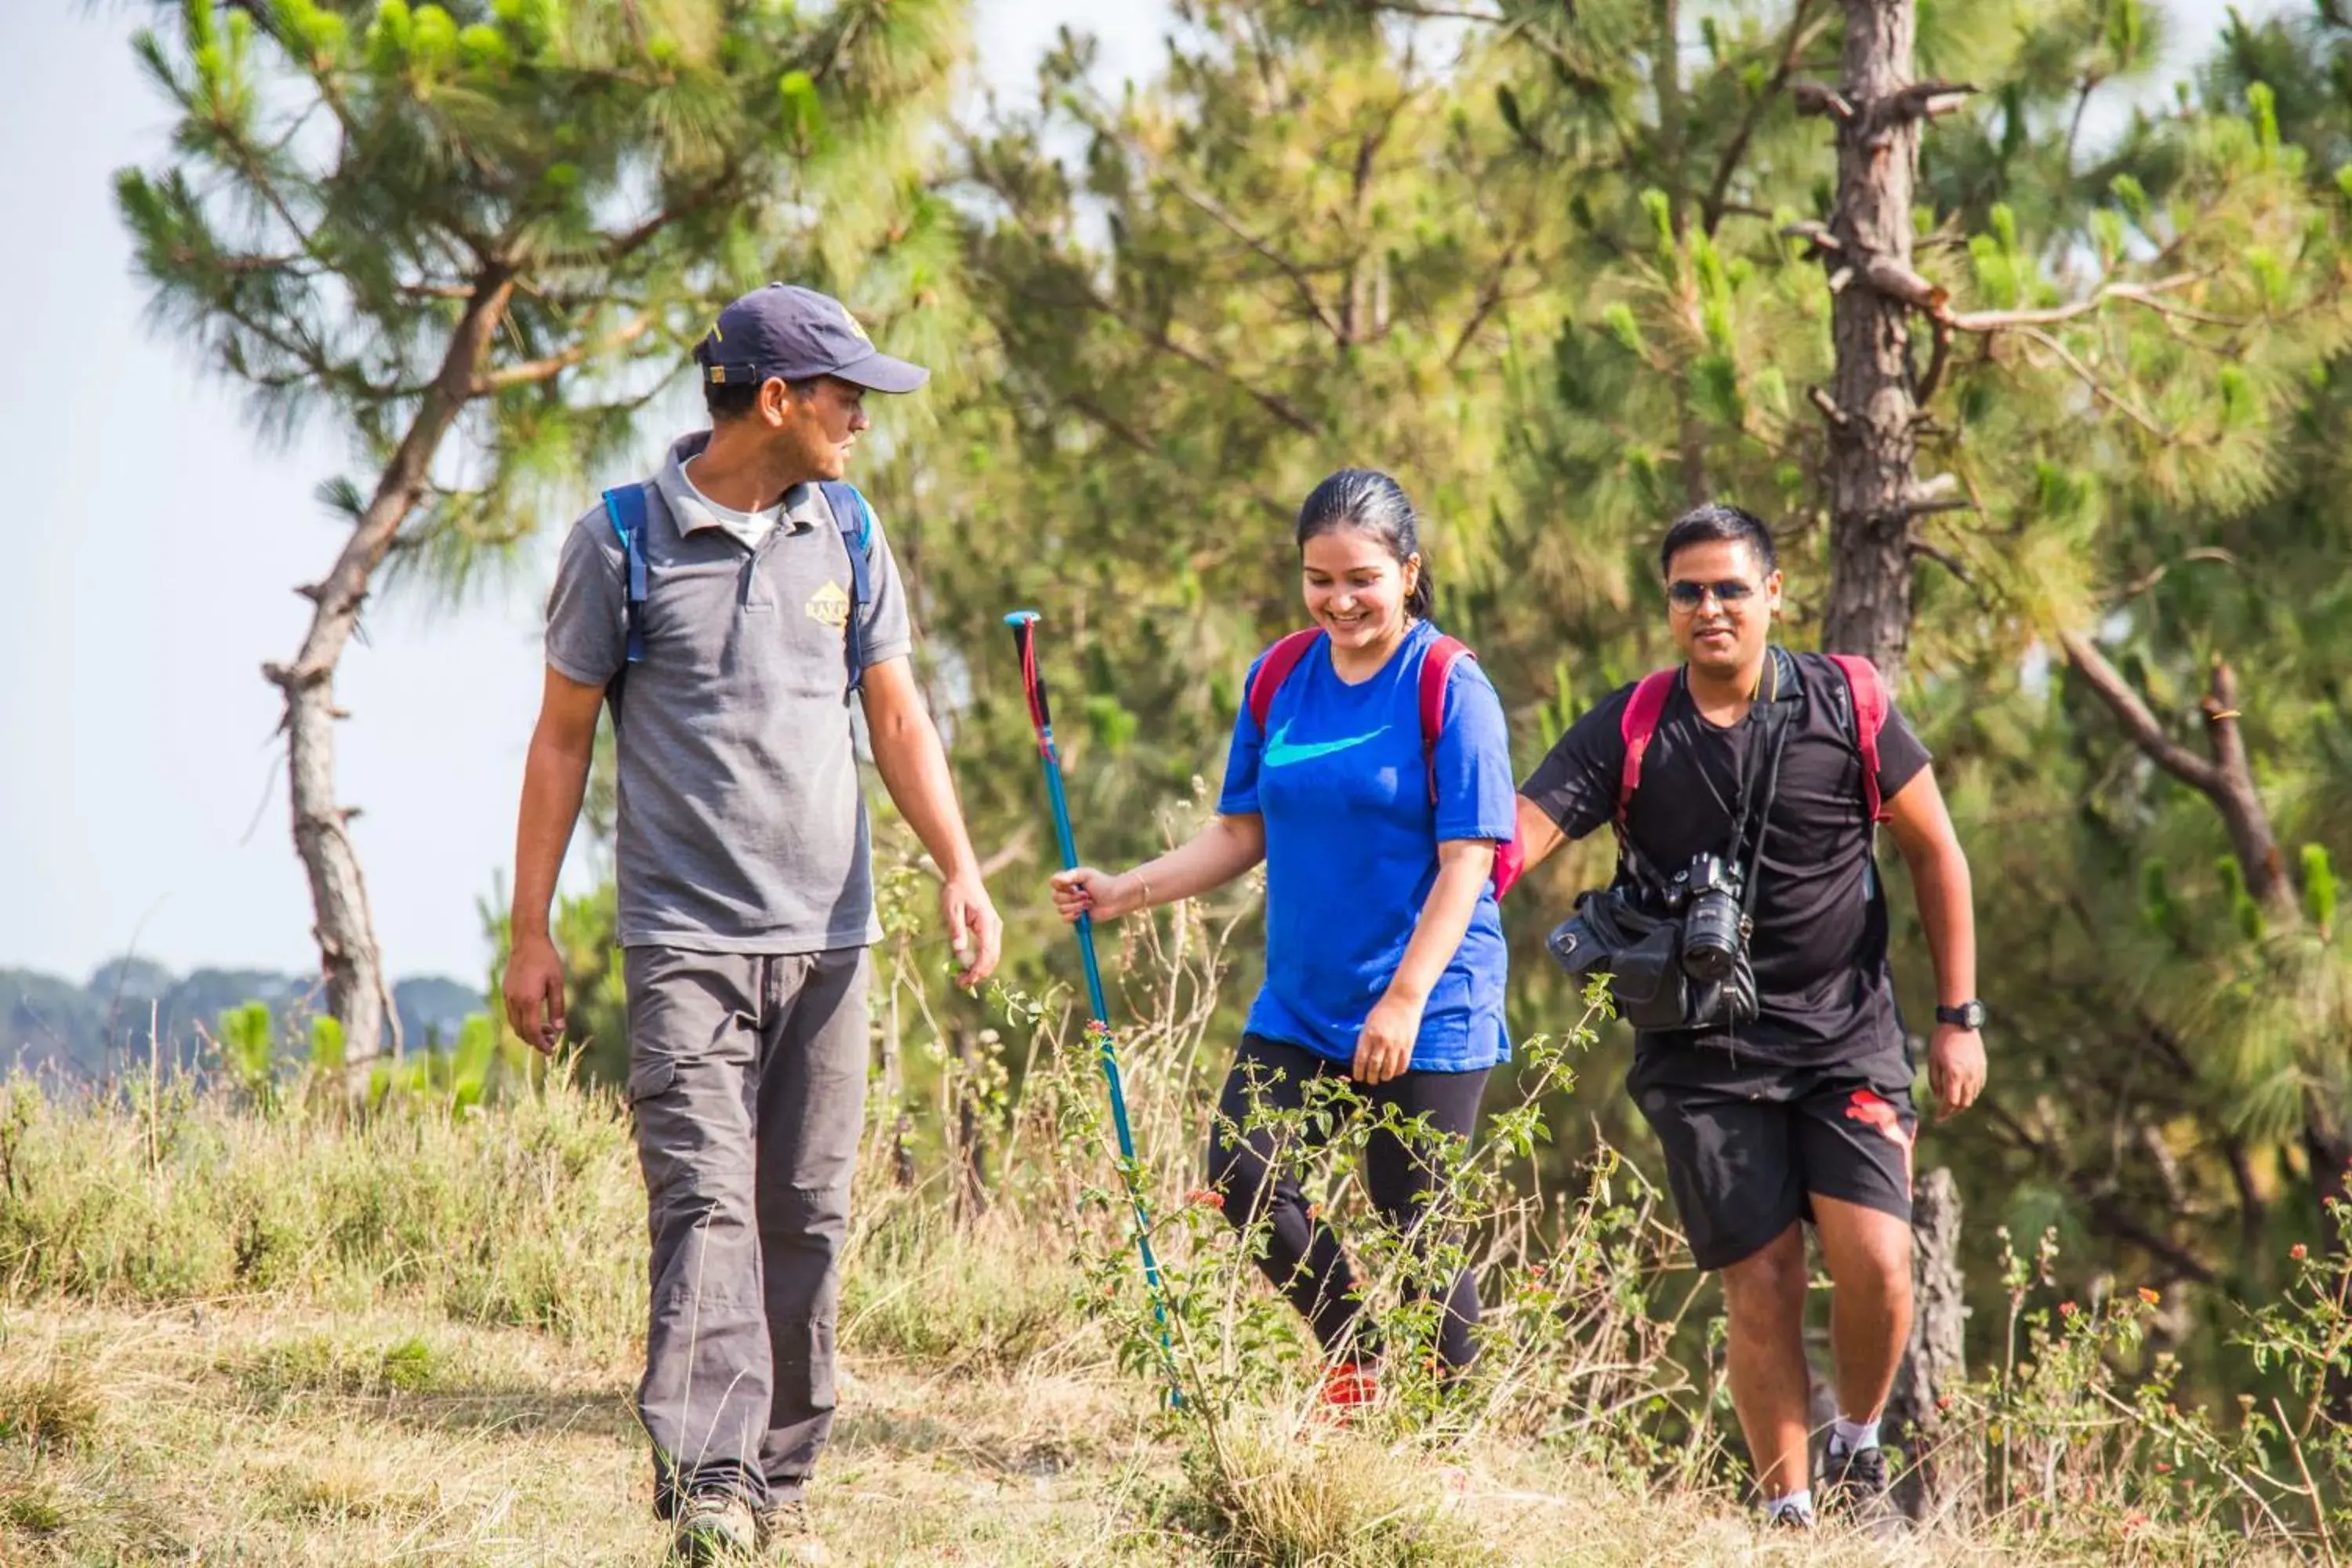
(1281,752)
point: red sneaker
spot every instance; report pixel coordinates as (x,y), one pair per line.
(1349,1384)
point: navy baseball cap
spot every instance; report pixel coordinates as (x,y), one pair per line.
(797,334)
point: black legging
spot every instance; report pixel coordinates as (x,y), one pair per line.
(1302,1258)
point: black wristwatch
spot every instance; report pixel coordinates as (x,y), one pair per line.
(1968,1015)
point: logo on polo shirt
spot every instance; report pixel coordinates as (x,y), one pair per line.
(829,605)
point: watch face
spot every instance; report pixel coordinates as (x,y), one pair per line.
(1968,1015)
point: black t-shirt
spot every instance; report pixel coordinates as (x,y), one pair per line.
(1819,943)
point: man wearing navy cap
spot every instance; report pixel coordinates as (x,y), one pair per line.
(741,598)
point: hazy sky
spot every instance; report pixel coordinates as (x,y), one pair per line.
(142,793)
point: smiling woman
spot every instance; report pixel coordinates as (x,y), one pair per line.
(1359,555)
(1370,770)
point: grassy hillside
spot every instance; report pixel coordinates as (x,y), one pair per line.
(281,1338)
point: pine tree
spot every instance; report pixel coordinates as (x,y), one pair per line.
(478,237)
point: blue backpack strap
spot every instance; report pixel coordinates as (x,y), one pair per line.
(625,506)
(855,520)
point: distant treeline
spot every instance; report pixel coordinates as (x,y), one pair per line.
(88,1029)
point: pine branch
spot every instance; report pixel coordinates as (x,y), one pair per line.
(553,366)
(1927,100)
(1274,403)
(2105,1212)
(1148,447)
(1944,558)
(2133,713)
(630,241)
(1898,281)
(2099,389)
(1490,297)
(2228,780)
(1941,493)
(2147,294)
(1802,27)
(311,356)
(1299,281)
(1936,359)
(1434,13)
(2155,573)
(1819,98)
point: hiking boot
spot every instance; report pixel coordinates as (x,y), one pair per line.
(787,1534)
(714,1528)
(1856,1483)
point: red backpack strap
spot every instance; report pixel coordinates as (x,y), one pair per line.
(1637,724)
(1869,717)
(1436,666)
(1275,669)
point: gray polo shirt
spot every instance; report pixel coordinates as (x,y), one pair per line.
(742,827)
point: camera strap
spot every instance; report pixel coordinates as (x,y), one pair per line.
(1762,763)
(1786,692)
(1777,722)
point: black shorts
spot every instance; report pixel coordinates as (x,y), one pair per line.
(1748,1140)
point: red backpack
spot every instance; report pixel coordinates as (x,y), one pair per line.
(1436,664)
(1648,704)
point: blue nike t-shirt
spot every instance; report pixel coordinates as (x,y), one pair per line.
(1351,850)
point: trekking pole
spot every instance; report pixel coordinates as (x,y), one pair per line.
(1032,684)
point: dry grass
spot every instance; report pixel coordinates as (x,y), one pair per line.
(227,1338)
(289,1436)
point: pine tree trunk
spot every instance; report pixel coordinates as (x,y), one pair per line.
(1944,1472)
(1872,432)
(359,995)
(1872,411)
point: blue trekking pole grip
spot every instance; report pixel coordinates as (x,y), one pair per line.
(1032,684)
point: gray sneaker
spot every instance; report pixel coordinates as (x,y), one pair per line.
(1857,1489)
(715,1529)
(787,1534)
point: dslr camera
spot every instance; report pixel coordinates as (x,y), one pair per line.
(1705,895)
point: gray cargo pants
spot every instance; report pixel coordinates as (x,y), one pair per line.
(747,1083)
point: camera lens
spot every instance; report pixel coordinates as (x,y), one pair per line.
(1711,936)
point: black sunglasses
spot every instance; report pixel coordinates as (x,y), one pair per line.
(1688,596)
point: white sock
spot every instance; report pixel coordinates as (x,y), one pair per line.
(1802,1499)
(1853,1436)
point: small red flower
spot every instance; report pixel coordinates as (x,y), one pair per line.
(1205,1197)
(2067,1309)
(2149,1295)
(1945,1402)
(2298,1252)
(1535,1271)
(2163,1469)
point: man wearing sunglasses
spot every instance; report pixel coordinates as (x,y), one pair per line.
(1803,1113)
